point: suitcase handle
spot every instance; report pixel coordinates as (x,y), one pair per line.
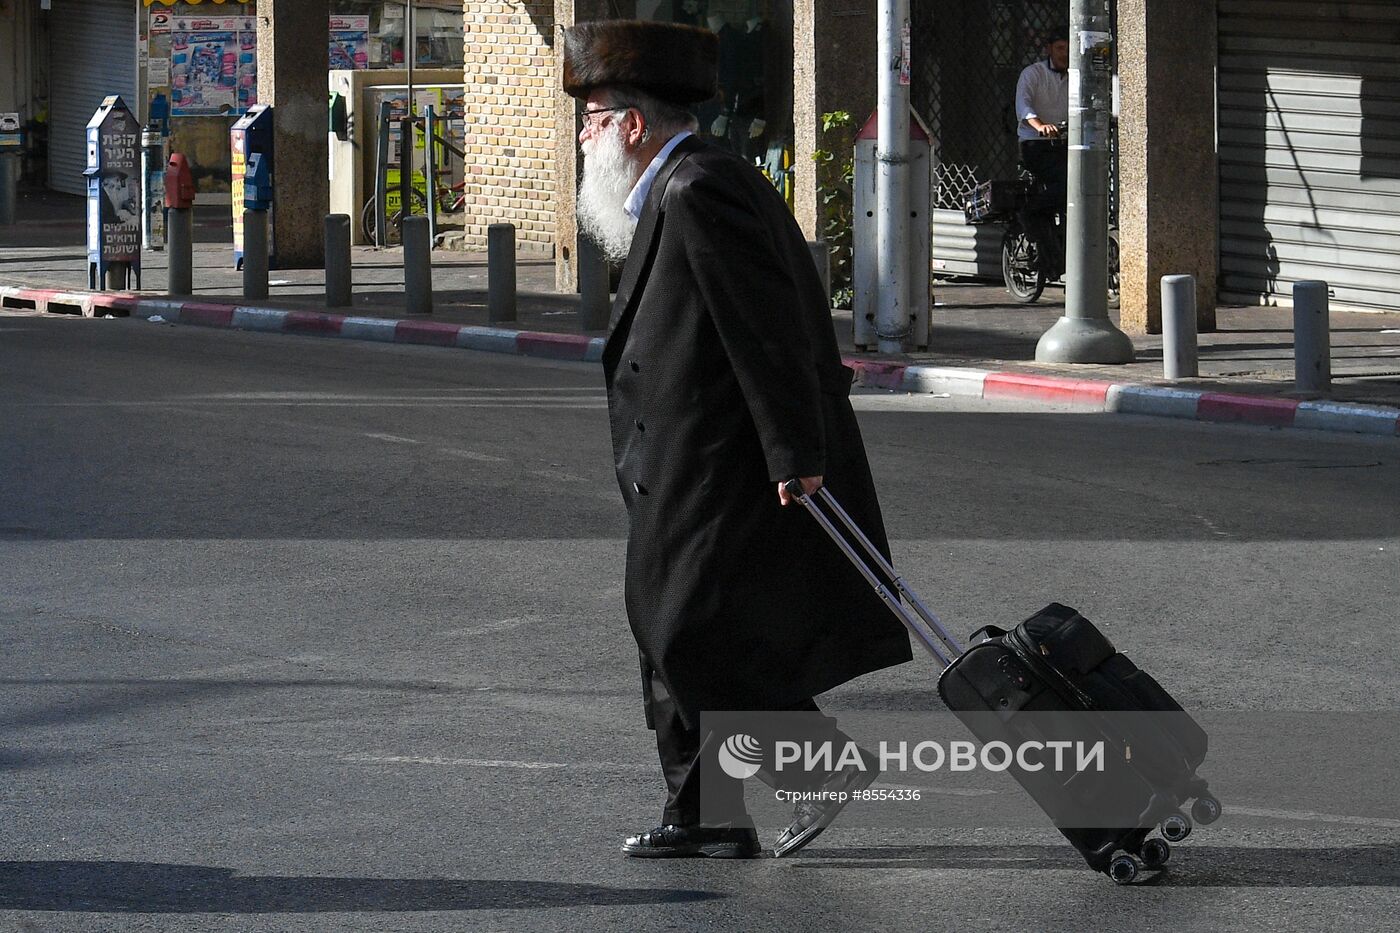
(926,626)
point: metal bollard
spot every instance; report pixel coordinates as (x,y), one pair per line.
(821,257)
(338,270)
(417,265)
(9,186)
(180,248)
(595,304)
(1179,351)
(1312,343)
(255,254)
(500,272)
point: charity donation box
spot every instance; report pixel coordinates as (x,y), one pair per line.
(252,133)
(113,196)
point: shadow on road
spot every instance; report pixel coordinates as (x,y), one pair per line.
(1191,866)
(153,887)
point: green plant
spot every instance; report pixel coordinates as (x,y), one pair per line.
(836,200)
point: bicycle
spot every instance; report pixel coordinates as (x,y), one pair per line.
(451,200)
(1029,262)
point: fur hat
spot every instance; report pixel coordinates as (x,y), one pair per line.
(674,62)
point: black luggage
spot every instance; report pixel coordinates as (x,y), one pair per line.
(1057,662)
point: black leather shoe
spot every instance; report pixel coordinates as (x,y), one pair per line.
(671,841)
(810,817)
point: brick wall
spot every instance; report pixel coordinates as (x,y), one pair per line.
(509,78)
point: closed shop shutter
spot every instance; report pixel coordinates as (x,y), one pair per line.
(1309,125)
(92,49)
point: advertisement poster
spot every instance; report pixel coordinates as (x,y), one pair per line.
(118,203)
(204,65)
(349,42)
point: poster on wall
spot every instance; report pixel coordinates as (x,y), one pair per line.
(349,42)
(204,65)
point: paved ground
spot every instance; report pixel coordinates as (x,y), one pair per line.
(974,325)
(324,635)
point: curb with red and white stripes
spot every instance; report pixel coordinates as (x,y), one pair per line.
(1116,397)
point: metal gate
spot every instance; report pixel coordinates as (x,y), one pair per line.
(92,53)
(968,55)
(1309,126)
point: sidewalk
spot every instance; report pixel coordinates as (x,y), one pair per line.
(981,344)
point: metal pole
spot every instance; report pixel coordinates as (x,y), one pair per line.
(821,258)
(410,49)
(500,272)
(254,254)
(338,269)
(1085,334)
(1312,343)
(9,187)
(381,178)
(417,265)
(1179,360)
(430,169)
(595,305)
(892,180)
(410,52)
(181,252)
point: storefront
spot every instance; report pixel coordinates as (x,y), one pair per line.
(195,61)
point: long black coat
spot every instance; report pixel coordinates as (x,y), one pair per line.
(723,378)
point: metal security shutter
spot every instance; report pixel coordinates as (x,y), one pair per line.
(92,50)
(1309,125)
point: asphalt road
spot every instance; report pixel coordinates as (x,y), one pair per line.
(302,634)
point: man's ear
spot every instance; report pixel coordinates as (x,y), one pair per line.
(636,127)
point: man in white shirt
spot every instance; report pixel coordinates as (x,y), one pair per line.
(1042,107)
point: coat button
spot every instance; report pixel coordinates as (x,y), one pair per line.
(639,489)
(636,367)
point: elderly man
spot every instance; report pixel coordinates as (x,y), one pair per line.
(724,381)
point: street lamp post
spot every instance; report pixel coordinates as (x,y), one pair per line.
(1085,334)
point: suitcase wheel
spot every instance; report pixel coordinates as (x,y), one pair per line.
(1123,869)
(1176,827)
(1206,810)
(1155,853)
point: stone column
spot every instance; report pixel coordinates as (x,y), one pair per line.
(568,161)
(293,58)
(1169,196)
(833,69)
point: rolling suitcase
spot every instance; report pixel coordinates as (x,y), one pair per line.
(1057,662)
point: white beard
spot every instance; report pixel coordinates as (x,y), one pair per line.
(609,175)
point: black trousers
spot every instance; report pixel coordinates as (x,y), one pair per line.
(688,757)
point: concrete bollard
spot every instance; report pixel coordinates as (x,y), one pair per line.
(1179,351)
(500,272)
(821,257)
(595,304)
(417,265)
(1312,342)
(179,234)
(255,254)
(338,275)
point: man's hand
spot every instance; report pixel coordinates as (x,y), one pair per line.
(1048,130)
(810,484)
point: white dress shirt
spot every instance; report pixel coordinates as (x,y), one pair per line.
(1042,93)
(638,198)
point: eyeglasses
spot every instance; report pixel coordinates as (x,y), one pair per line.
(585,117)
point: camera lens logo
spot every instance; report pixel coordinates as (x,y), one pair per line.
(741,756)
